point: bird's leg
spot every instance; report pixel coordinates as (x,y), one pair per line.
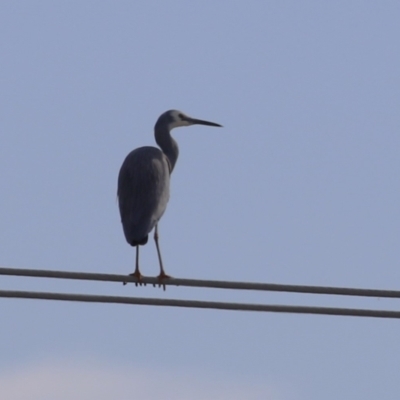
(162,274)
(137,273)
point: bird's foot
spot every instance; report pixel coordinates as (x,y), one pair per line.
(161,278)
(139,277)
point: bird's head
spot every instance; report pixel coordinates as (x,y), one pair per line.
(174,119)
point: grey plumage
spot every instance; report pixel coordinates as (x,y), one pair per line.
(143,192)
(143,183)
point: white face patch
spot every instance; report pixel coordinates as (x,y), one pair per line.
(177,120)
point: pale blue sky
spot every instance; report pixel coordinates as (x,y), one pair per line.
(300,186)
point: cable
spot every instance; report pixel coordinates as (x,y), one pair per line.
(201,304)
(204,283)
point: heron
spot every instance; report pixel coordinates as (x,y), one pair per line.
(143,184)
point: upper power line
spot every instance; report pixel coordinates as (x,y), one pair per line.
(273,287)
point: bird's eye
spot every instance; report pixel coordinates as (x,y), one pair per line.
(181,116)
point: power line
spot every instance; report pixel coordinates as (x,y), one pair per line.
(203,283)
(201,304)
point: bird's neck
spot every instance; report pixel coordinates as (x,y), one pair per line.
(167,145)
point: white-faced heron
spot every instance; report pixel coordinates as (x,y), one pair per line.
(143,183)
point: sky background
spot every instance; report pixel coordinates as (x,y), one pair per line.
(301,186)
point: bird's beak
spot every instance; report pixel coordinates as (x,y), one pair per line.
(194,121)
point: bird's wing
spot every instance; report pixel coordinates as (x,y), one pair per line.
(143,191)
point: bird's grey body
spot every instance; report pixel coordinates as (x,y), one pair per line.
(140,213)
(143,183)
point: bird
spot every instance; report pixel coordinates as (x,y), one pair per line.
(143,184)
